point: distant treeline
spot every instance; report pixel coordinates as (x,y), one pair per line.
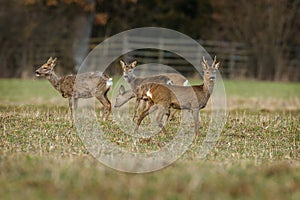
(35,29)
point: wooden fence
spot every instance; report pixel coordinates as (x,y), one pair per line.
(180,54)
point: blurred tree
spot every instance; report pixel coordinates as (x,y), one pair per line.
(32,29)
(192,17)
(269,27)
(9,37)
(42,28)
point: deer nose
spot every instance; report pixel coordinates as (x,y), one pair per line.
(125,76)
(37,73)
(212,78)
(116,105)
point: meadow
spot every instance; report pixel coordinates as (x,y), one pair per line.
(256,155)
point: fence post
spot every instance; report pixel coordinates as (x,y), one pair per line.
(161,52)
(232,62)
(125,44)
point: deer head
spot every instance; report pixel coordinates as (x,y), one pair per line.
(128,69)
(209,70)
(123,96)
(47,68)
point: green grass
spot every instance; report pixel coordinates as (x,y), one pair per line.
(256,156)
(250,89)
(14,91)
(245,94)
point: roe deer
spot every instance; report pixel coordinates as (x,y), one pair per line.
(135,81)
(163,97)
(125,95)
(89,84)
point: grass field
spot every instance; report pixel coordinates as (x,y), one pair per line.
(256,156)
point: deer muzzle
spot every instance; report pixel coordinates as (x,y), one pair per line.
(125,76)
(37,73)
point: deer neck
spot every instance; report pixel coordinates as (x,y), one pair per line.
(54,80)
(208,88)
(132,81)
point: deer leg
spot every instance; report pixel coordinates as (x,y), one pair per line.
(145,112)
(168,113)
(108,108)
(144,105)
(71,110)
(195,113)
(107,105)
(160,114)
(137,103)
(172,115)
(75,105)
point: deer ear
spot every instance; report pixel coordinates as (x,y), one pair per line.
(122,90)
(217,65)
(133,64)
(123,64)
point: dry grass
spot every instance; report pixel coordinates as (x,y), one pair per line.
(41,157)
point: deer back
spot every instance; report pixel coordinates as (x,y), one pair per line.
(177,78)
(84,85)
(178,97)
(150,79)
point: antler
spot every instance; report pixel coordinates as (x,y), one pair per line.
(50,59)
(205,61)
(214,62)
(54,59)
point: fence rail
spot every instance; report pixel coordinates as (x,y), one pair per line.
(236,58)
(233,56)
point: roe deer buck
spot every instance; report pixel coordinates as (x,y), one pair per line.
(135,81)
(89,84)
(163,97)
(125,95)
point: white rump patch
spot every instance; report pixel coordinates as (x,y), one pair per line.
(149,94)
(186,83)
(169,82)
(109,83)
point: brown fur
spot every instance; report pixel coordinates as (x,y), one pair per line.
(163,97)
(134,81)
(87,85)
(125,95)
(176,78)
